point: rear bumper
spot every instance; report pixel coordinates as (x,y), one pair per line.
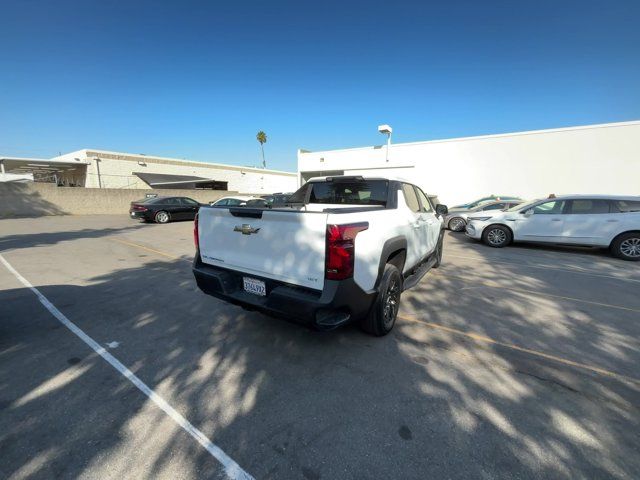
(138,215)
(338,303)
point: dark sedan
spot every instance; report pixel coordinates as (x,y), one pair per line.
(164,209)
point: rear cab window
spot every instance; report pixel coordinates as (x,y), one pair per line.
(345,192)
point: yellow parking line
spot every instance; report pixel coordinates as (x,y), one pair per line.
(482,338)
(152,250)
(545,267)
(537,294)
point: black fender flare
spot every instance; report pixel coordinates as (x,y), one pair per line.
(390,247)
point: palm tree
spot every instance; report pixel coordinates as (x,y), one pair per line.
(262,138)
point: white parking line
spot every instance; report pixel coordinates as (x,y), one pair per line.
(232,469)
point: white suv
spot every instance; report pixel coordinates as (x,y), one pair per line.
(590,220)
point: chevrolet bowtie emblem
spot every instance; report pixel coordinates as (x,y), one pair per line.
(245,229)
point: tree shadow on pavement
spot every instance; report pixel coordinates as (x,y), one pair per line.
(288,402)
(38,239)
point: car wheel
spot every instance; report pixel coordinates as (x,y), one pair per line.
(497,236)
(162,217)
(627,246)
(384,312)
(457,224)
(439,249)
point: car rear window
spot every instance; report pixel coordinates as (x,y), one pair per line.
(358,192)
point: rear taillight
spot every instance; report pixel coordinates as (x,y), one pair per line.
(341,250)
(196,238)
(139,208)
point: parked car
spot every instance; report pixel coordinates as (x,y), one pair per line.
(276,200)
(477,202)
(589,220)
(164,209)
(257,203)
(456,220)
(344,250)
(234,201)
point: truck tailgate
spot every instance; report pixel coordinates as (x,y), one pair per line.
(288,246)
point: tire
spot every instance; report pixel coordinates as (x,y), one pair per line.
(457,224)
(439,249)
(162,217)
(384,312)
(627,246)
(497,236)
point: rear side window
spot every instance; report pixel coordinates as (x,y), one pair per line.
(626,206)
(188,201)
(410,197)
(367,192)
(169,201)
(588,206)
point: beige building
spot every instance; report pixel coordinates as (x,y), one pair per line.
(102,169)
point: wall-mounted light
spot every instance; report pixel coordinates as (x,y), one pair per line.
(321,159)
(386,130)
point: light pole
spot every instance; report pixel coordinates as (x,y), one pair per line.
(386,129)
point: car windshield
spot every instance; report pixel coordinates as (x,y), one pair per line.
(479,205)
(523,205)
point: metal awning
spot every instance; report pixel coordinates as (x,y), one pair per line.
(31,165)
(163,180)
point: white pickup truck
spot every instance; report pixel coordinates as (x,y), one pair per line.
(343,249)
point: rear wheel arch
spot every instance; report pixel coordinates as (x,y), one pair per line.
(394,251)
(397,259)
(625,245)
(617,237)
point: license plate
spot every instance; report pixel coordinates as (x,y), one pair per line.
(257,287)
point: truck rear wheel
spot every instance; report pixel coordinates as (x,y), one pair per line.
(384,312)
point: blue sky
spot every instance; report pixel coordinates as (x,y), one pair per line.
(199,79)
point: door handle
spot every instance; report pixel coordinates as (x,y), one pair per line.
(556,219)
(613,220)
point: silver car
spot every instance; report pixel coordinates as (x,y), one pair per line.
(456,220)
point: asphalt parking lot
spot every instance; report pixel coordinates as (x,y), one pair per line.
(513,363)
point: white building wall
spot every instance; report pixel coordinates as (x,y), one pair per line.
(116,170)
(594,159)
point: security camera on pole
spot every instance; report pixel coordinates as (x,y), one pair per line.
(386,129)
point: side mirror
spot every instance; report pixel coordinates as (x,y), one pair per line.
(441,209)
(528,213)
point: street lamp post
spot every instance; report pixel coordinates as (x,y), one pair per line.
(386,129)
